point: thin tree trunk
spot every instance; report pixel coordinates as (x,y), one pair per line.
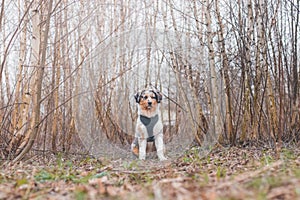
(216,123)
(55,83)
(16,119)
(247,123)
(19,115)
(35,121)
(1,14)
(229,126)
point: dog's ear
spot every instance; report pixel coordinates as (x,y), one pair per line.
(137,97)
(158,96)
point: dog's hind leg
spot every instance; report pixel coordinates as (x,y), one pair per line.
(135,147)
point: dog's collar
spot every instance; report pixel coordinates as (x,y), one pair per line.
(149,123)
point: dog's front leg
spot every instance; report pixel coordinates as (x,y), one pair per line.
(159,144)
(142,148)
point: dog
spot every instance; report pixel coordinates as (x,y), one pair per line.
(149,126)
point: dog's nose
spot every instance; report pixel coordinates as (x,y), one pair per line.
(149,103)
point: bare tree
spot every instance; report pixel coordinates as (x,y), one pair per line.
(37,91)
(216,122)
(229,118)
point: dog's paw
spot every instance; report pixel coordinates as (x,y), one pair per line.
(162,158)
(142,157)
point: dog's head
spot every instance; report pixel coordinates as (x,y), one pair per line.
(148,99)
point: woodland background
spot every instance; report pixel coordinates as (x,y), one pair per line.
(251,46)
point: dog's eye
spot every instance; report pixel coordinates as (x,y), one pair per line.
(153,98)
(145,97)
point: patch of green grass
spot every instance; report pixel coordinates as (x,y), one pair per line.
(245,156)
(131,165)
(192,156)
(21,182)
(61,162)
(273,181)
(257,184)
(141,178)
(208,159)
(267,159)
(83,179)
(205,178)
(135,178)
(187,159)
(296,172)
(101,174)
(148,179)
(2,178)
(44,176)
(288,154)
(67,177)
(81,194)
(66,172)
(262,185)
(221,172)
(95,162)
(89,176)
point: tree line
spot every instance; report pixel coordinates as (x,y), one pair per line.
(231,69)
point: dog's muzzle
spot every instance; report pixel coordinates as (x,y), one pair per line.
(149,104)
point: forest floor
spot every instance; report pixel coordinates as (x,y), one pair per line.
(225,173)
